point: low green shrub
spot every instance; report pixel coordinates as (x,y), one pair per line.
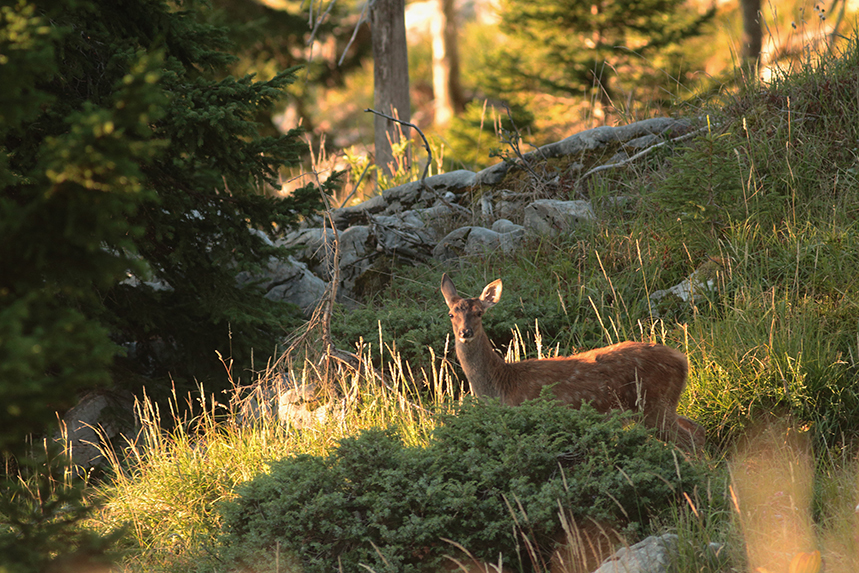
(490,475)
(43,510)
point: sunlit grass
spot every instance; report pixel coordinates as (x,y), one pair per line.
(165,485)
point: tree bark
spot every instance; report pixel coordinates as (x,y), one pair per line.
(390,77)
(447,90)
(752,32)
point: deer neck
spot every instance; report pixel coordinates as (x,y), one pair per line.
(483,367)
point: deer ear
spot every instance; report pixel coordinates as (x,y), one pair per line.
(448,290)
(491,294)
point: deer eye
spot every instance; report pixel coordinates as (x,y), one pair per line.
(450,315)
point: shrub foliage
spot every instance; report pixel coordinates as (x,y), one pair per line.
(489,475)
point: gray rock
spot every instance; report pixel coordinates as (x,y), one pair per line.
(300,407)
(98,417)
(475,241)
(280,398)
(641,142)
(702,281)
(357,247)
(312,246)
(405,197)
(458,180)
(407,220)
(546,216)
(652,555)
(406,235)
(431,215)
(605,135)
(291,281)
(347,216)
(492,175)
(507,226)
(632,135)
(356,243)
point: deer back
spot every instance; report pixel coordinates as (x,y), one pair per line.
(630,376)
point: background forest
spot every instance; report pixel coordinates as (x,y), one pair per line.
(153,150)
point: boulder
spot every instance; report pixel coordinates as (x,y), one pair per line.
(357,248)
(475,241)
(288,280)
(507,226)
(405,197)
(652,555)
(546,216)
(311,246)
(407,235)
(98,417)
(300,407)
(280,398)
(492,175)
(405,223)
(597,137)
(590,140)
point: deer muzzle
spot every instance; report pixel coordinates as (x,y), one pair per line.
(466,335)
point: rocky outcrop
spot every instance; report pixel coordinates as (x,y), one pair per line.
(448,216)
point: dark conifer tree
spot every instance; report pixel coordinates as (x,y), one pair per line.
(135,186)
(569,47)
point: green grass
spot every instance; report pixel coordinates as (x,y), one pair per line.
(771,190)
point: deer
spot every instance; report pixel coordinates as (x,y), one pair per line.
(641,377)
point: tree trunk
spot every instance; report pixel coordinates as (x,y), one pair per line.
(447,91)
(390,77)
(752,32)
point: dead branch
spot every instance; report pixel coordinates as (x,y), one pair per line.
(361,19)
(641,153)
(423,184)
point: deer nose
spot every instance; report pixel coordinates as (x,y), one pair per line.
(466,333)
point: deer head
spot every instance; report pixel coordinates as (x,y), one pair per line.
(466,314)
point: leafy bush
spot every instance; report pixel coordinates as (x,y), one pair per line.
(490,474)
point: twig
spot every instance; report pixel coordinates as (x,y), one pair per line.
(641,153)
(319,21)
(324,308)
(514,145)
(361,20)
(409,124)
(357,184)
(429,161)
(327,304)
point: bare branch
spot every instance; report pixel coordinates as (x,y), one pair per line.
(319,21)
(429,160)
(363,18)
(641,153)
(357,184)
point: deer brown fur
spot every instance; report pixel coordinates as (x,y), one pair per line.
(634,376)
